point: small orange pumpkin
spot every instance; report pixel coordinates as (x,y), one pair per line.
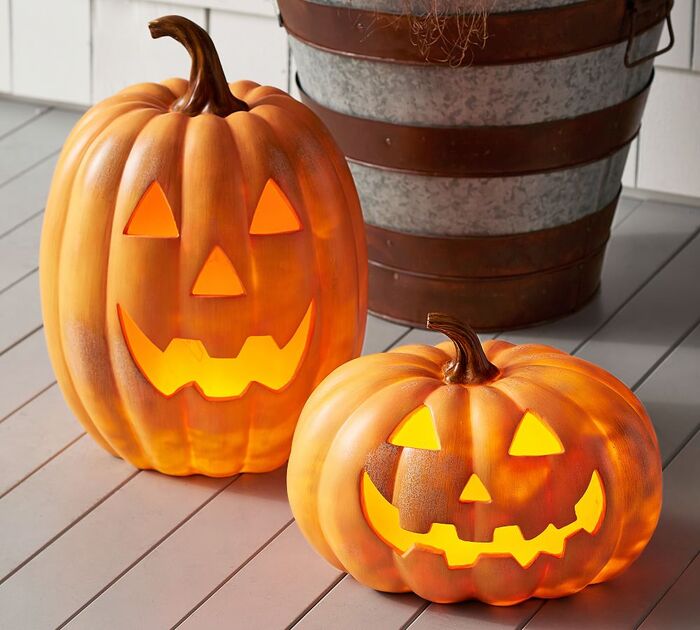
(203,267)
(458,472)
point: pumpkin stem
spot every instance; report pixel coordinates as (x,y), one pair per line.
(470,366)
(208,92)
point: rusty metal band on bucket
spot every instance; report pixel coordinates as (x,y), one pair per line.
(494,282)
(515,37)
(491,256)
(486,151)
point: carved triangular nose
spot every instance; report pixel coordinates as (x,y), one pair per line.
(218,277)
(475,491)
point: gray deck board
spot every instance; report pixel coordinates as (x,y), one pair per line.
(96,544)
(99,547)
(14,115)
(21,297)
(625,207)
(350,605)
(475,616)
(25,372)
(247,513)
(638,247)
(31,516)
(650,323)
(19,252)
(381,334)
(680,608)
(25,195)
(261,594)
(34,434)
(28,145)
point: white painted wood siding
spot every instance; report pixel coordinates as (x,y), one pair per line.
(124,52)
(50,50)
(5,41)
(251,47)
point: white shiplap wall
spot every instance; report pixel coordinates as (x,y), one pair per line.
(50,49)
(79,51)
(5,43)
(124,51)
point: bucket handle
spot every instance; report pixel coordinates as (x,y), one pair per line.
(634,11)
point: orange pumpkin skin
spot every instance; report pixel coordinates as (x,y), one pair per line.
(212,169)
(342,439)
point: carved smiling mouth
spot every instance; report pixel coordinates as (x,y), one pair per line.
(508,540)
(187,362)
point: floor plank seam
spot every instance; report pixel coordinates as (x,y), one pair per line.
(397,340)
(409,622)
(631,296)
(65,529)
(660,599)
(21,223)
(26,402)
(229,577)
(639,203)
(25,170)
(18,280)
(40,466)
(20,340)
(668,352)
(25,123)
(677,451)
(150,550)
(638,290)
(316,600)
(530,617)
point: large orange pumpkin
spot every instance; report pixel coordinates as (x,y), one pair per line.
(459,472)
(203,267)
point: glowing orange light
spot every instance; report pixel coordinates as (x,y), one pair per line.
(186,361)
(534,437)
(417,430)
(274,213)
(475,491)
(218,277)
(507,540)
(152,216)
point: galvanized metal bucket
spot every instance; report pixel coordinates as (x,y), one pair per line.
(489,179)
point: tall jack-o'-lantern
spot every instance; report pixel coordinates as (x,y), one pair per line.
(203,267)
(496,474)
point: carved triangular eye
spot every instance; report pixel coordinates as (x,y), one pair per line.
(534,437)
(152,216)
(417,430)
(274,213)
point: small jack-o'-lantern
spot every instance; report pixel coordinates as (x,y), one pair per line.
(461,472)
(203,267)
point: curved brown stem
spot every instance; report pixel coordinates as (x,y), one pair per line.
(208,92)
(470,366)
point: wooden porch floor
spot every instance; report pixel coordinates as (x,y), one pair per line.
(86,541)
